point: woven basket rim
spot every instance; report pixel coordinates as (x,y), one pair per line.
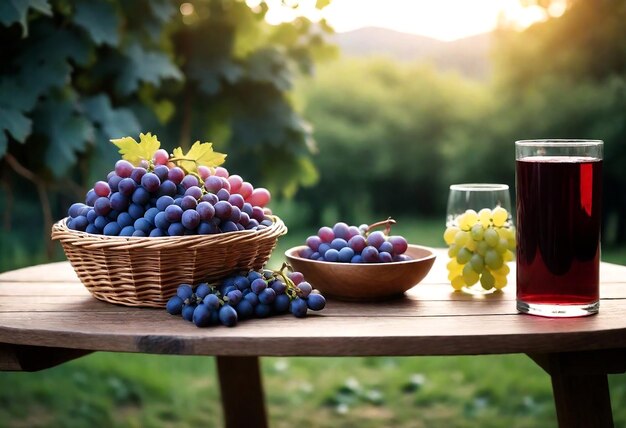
(60,231)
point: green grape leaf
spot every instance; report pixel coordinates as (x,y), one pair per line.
(134,151)
(270,65)
(68,132)
(11,85)
(15,123)
(113,122)
(12,11)
(209,72)
(198,154)
(100,21)
(163,10)
(145,66)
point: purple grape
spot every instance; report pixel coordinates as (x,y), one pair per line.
(386,247)
(326,234)
(163,202)
(210,198)
(189,181)
(213,184)
(137,174)
(112,229)
(176,175)
(206,210)
(229,226)
(331,255)
(188,202)
(140,196)
(375,239)
(114,182)
(304,289)
(258,214)
(385,257)
(161,222)
(127,186)
(346,254)
(399,243)
(102,206)
(316,302)
(91,197)
(341,230)
(162,172)
(236,200)
(235,214)
(357,243)
(314,242)
(119,201)
(258,285)
(151,182)
(190,219)
(207,228)
(194,191)
(167,188)
(370,254)
(228,316)
(123,168)
(176,229)
(338,243)
(223,210)
(267,296)
(124,219)
(298,307)
(223,195)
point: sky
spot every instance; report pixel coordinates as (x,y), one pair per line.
(439,19)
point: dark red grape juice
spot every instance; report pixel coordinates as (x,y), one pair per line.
(558,231)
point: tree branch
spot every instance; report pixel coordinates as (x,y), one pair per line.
(43,198)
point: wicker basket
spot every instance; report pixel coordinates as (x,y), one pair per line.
(139,271)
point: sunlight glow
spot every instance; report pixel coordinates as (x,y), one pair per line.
(441,19)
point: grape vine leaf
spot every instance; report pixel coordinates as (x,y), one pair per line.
(134,151)
(145,66)
(198,154)
(112,121)
(12,11)
(15,123)
(68,132)
(100,21)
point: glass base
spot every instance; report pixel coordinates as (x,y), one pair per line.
(562,311)
(477,290)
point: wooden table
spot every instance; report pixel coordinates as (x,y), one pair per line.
(47,317)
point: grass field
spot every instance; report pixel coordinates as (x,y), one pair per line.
(131,390)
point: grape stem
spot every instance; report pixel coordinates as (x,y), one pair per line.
(387,223)
(291,286)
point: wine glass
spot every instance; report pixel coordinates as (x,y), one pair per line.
(480,235)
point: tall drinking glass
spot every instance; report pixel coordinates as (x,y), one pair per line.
(559,196)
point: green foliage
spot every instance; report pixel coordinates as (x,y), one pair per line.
(380,127)
(76,73)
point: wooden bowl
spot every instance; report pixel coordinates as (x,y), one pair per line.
(364,281)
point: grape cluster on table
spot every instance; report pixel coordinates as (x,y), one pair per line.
(252,294)
(350,244)
(480,244)
(160,199)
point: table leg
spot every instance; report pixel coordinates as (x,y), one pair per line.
(580,385)
(241,387)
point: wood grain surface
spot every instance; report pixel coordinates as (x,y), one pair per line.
(46,305)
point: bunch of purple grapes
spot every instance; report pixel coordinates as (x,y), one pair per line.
(160,199)
(245,295)
(350,244)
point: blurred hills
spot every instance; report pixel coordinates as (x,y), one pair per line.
(468,56)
